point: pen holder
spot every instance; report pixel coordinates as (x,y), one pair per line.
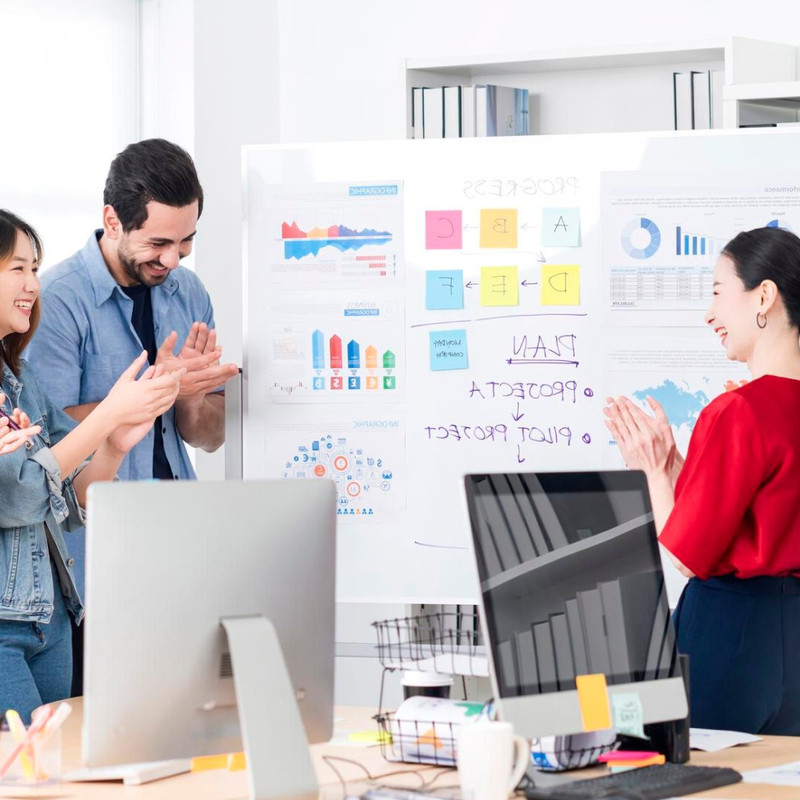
(37,765)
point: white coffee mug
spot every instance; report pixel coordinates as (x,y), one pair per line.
(491,759)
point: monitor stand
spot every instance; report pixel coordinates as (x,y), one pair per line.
(275,744)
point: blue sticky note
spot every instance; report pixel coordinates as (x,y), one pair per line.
(449,350)
(561,227)
(444,289)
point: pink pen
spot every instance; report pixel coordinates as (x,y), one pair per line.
(34,728)
(11,424)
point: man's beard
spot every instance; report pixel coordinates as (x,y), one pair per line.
(135,271)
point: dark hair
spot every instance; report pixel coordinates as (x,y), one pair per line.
(151,170)
(12,345)
(769,254)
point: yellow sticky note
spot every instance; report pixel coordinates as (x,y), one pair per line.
(369,737)
(593,699)
(203,763)
(561,285)
(499,286)
(498,227)
(237,762)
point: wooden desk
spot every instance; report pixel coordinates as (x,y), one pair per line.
(224,785)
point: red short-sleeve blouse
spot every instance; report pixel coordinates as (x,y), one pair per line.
(737,499)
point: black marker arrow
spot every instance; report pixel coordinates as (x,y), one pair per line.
(470,284)
(530,283)
(520,459)
(519,415)
(527,226)
(468,227)
(541,258)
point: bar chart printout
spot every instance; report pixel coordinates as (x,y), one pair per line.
(376,371)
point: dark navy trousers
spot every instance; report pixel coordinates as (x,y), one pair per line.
(743,641)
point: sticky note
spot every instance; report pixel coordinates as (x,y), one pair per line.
(203,763)
(561,227)
(560,285)
(448,350)
(499,286)
(443,230)
(627,713)
(444,289)
(369,737)
(593,699)
(498,227)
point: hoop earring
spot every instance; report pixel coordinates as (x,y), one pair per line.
(761,321)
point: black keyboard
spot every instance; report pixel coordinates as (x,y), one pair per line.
(645,783)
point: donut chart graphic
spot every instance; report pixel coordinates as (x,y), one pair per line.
(641,238)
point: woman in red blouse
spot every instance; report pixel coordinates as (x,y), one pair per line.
(729,515)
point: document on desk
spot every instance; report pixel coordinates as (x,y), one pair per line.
(781,775)
(711,741)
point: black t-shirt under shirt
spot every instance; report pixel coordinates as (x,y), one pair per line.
(142,321)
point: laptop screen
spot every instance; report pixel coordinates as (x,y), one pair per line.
(571,579)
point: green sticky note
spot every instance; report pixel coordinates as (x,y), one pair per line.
(626,710)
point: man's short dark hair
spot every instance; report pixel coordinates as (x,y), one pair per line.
(151,170)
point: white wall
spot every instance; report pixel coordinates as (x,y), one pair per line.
(70,92)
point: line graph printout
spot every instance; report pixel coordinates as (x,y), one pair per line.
(334,232)
(662,234)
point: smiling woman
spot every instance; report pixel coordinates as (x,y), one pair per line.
(728,514)
(43,484)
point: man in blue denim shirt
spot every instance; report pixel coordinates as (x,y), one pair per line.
(124,291)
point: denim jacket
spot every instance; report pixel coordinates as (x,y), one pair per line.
(35,502)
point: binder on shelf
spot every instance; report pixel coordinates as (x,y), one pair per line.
(658,656)
(488,551)
(467,111)
(594,634)
(576,637)
(499,530)
(545,656)
(433,112)
(526,662)
(543,508)
(517,528)
(565,663)
(701,99)
(452,111)
(506,669)
(628,604)
(532,524)
(416,112)
(683,107)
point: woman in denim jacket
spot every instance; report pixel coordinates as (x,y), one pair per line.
(43,483)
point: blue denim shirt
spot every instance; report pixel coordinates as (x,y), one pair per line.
(85,340)
(36,502)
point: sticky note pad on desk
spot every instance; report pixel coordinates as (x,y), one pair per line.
(593,699)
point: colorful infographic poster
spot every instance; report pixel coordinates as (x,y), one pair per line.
(330,233)
(662,234)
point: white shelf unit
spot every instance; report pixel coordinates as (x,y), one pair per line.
(614,89)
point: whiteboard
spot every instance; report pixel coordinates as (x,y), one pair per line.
(481,387)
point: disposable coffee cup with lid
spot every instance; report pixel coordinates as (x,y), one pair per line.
(430,684)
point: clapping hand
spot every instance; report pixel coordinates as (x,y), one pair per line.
(11,440)
(199,357)
(645,442)
(136,402)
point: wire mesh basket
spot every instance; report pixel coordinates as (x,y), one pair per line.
(445,642)
(417,741)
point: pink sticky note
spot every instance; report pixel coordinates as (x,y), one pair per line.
(442,230)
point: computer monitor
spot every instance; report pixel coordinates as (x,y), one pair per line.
(166,563)
(571,584)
